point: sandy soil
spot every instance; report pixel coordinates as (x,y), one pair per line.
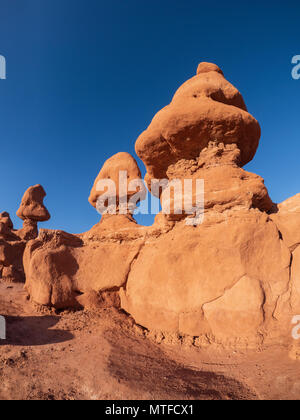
(103,355)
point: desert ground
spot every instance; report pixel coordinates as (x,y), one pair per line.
(102,354)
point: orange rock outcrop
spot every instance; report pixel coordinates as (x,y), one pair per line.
(13,242)
(205,108)
(234,279)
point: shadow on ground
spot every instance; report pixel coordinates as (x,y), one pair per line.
(33,331)
(144,366)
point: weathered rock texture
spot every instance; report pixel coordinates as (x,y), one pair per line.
(32,211)
(61,267)
(287,219)
(205,108)
(234,279)
(113,167)
(13,242)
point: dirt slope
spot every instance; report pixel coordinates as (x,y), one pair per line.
(103,355)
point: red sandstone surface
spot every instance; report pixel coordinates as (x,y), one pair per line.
(171,310)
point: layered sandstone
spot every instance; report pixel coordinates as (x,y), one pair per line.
(60,267)
(232,279)
(205,108)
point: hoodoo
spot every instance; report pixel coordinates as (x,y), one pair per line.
(232,279)
(13,242)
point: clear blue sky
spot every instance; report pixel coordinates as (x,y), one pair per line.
(85,78)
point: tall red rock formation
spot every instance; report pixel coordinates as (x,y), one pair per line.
(232,279)
(115,169)
(205,108)
(32,211)
(60,267)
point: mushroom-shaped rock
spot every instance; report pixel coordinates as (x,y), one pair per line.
(119,178)
(32,206)
(232,279)
(205,108)
(32,210)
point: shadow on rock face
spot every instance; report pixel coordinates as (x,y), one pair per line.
(34,331)
(144,366)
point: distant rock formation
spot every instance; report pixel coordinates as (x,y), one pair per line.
(233,280)
(13,242)
(112,170)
